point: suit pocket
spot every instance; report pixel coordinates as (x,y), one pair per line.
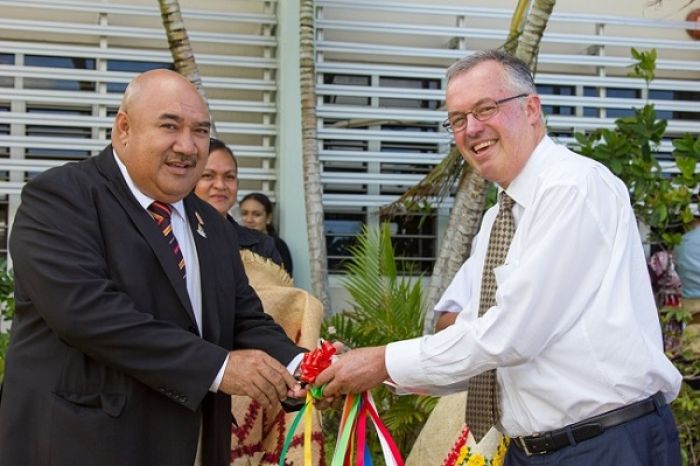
(87,429)
(111,404)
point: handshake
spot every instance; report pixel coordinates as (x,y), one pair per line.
(255,374)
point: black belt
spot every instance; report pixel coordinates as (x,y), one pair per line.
(553,440)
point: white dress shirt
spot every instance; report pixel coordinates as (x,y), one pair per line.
(575,330)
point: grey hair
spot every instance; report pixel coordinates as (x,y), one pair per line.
(517,71)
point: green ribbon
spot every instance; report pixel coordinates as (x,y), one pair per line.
(341,447)
(316,393)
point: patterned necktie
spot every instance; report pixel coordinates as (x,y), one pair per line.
(161,213)
(483,402)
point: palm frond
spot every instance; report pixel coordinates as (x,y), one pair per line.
(386,307)
(436,184)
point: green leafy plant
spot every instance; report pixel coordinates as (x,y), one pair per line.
(687,405)
(7,309)
(685,409)
(385,308)
(628,150)
(645,67)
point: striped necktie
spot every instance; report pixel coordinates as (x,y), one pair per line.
(161,213)
(483,401)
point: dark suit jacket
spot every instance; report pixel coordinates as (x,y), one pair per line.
(284,252)
(256,241)
(105,364)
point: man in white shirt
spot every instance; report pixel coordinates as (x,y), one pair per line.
(574,332)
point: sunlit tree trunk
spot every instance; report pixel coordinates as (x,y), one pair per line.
(516,26)
(313,192)
(461,228)
(180,47)
(529,42)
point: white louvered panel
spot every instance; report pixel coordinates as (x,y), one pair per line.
(373,46)
(380,90)
(53,109)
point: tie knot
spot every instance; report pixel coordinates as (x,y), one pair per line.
(505,202)
(160,209)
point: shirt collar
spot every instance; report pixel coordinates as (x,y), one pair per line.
(522,188)
(144,200)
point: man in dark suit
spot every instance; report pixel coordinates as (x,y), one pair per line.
(127,311)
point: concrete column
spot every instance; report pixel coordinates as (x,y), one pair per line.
(290,186)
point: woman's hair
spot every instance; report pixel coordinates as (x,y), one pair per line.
(216,144)
(267,205)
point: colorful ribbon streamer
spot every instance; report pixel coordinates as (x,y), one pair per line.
(351,446)
(312,364)
(352,441)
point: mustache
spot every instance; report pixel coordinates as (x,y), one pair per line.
(189,160)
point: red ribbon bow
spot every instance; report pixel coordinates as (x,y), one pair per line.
(315,362)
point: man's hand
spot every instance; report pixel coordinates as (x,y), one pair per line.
(353,372)
(256,374)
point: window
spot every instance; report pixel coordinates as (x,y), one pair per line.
(414,239)
(346,80)
(135,66)
(557,90)
(7,59)
(75,63)
(392,163)
(342,230)
(611,92)
(409,83)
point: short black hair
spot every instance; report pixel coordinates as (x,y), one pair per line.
(216,144)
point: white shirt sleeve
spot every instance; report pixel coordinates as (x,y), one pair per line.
(539,296)
(219,377)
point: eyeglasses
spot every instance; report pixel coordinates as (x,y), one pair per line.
(488,108)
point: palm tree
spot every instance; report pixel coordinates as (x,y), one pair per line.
(312,165)
(180,47)
(462,226)
(471,194)
(516,25)
(529,42)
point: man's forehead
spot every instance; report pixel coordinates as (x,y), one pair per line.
(198,117)
(474,87)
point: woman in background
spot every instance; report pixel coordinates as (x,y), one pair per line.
(256,211)
(219,187)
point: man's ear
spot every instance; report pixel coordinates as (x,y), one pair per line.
(122,127)
(533,108)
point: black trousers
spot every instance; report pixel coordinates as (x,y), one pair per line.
(650,440)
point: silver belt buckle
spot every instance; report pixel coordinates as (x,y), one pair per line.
(523,446)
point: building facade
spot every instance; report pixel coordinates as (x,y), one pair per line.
(380,87)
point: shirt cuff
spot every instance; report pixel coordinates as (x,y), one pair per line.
(219,377)
(294,364)
(291,367)
(400,359)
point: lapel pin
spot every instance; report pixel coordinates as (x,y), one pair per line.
(200,225)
